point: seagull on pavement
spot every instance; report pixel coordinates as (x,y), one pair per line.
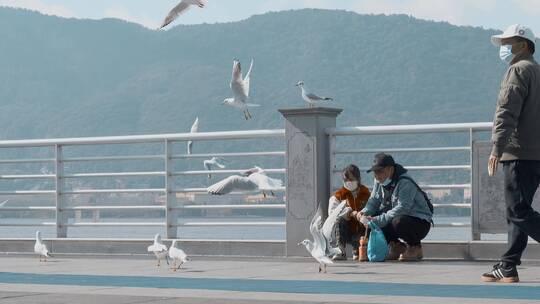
(40,248)
(240,89)
(177,255)
(253,179)
(194,129)
(320,249)
(311,98)
(159,249)
(183,6)
(214,162)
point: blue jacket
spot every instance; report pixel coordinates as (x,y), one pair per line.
(406,199)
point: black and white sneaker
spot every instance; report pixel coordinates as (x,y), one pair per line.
(499,273)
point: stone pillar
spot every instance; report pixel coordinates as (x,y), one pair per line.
(308,170)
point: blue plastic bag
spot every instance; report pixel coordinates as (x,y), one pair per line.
(377,249)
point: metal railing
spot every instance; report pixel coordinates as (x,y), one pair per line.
(470,129)
(172,220)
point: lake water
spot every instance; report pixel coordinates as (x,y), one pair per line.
(218,233)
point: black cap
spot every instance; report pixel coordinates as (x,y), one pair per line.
(381,161)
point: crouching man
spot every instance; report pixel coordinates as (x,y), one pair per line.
(348,229)
(399,207)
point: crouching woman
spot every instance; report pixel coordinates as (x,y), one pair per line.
(348,229)
(399,207)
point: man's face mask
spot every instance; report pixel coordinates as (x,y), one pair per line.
(505,53)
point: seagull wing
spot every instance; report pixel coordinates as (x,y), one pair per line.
(195,126)
(314,97)
(247,79)
(319,244)
(264,182)
(207,164)
(330,223)
(175,12)
(237,83)
(231,183)
(157,248)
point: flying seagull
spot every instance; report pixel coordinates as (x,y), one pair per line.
(159,249)
(194,129)
(320,249)
(240,89)
(253,179)
(311,98)
(332,219)
(214,162)
(177,255)
(183,6)
(40,248)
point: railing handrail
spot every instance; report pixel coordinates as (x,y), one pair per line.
(418,128)
(221,135)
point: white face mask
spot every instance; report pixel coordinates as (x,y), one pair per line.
(505,53)
(350,185)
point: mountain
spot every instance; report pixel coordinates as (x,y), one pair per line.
(68,77)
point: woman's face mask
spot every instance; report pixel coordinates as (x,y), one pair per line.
(350,185)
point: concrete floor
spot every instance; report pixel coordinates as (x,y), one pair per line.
(256,280)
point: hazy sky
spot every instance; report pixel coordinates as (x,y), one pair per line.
(496,14)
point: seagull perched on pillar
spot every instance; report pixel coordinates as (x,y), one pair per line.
(311,98)
(240,89)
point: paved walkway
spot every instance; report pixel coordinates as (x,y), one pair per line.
(252,280)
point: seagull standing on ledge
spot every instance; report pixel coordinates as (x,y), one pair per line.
(159,249)
(183,6)
(194,129)
(40,248)
(311,98)
(240,89)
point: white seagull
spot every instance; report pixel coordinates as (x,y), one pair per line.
(177,255)
(213,162)
(40,248)
(194,129)
(159,249)
(320,248)
(332,219)
(183,6)
(311,98)
(240,89)
(253,179)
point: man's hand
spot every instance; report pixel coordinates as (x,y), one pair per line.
(493,164)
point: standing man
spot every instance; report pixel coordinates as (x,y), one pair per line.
(516,144)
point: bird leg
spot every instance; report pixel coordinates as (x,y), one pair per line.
(167,259)
(245,116)
(249,114)
(320,268)
(272,192)
(158,263)
(324,268)
(264,194)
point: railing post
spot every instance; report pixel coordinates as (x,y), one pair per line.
(475,236)
(61,215)
(308,170)
(170,198)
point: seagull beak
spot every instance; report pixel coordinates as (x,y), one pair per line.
(299,244)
